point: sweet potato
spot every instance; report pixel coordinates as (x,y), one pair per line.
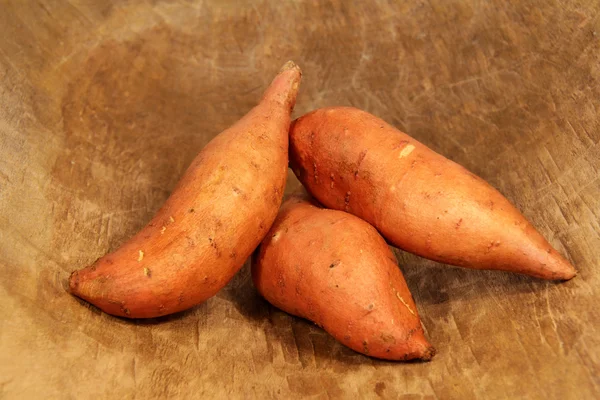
(334,269)
(419,200)
(216,216)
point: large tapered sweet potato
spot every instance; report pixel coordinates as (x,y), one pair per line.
(419,200)
(334,269)
(217,215)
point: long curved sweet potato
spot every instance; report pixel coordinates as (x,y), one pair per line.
(419,200)
(335,269)
(216,216)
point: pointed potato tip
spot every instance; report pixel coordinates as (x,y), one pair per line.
(289,65)
(74,282)
(428,354)
(568,274)
(560,268)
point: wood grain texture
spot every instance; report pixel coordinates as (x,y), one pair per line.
(104,104)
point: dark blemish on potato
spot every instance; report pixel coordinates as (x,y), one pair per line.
(388,338)
(239,192)
(125,310)
(233,254)
(346,337)
(370,307)
(213,244)
(205,280)
(180,299)
(148,272)
(411,332)
(400,144)
(190,241)
(347,201)
(276,195)
(458,223)
(412,164)
(191,210)
(426,195)
(491,204)
(361,158)
(337,286)
(381,127)
(492,245)
(334,264)
(116,302)
(365,347)
(549,251)
(280,280)
(254,164)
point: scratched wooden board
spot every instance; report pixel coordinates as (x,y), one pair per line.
(104,104)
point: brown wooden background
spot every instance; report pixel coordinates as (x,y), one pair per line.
(104,103)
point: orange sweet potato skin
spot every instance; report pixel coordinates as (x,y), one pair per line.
(335,269)
(216,216)
(419,200)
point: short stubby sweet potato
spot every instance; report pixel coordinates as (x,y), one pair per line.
(419,200)
(214,219)
(335,269)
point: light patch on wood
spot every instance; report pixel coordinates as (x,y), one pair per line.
(406,151)
(140,255)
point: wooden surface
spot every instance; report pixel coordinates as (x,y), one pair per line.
(104,104)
